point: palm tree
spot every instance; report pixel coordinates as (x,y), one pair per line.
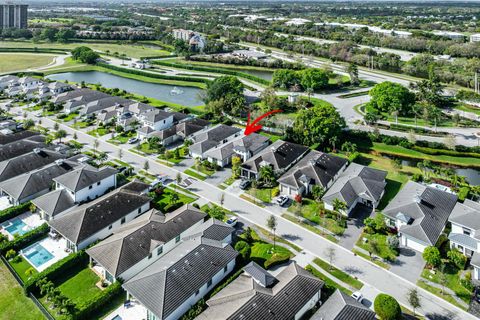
(333,141)
(102,157)
(272,225)
(416,109)
(96,143)
(28,123)
(309,92)
(60,134)
(339,206)
(435,114)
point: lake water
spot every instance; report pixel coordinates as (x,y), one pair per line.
(189,96)
(267,75)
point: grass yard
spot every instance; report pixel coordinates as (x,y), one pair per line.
(310,227)
(264,194)
(13,302)
(330,286)
(376,261)
(81,286)
(468,108)
(98,132)
(310,211)
(122,138)
(384,251)
(339,274)
(194,174)
(264,254)
(452,275)
(21,266)
(164,201)
(438,292)
(81,125)
(22,61)
(70,117)
(145,148)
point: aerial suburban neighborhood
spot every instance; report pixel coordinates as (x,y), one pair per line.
(243,160)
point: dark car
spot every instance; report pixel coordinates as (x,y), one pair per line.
(476,294)
(244,184)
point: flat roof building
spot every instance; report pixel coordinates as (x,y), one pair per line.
(13,16)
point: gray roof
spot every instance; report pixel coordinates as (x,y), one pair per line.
(316,168)
(250,144)
(79,224)
(139,237)
(340,306)
(19,147)
(27,162)
(84,176)
(262,276)
(466,214)
(428,208)
(464,240)
(247,299)
(33,182)
(216,134)
(85,95)
(166,284)
(191,126)
(54,202)
(355,181)
(9,138)
(475,259)
(104,103)
(156,115)
(281,155)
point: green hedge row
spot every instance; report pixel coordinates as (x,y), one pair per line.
(88,309)
(446,152)
(57,270)
(25,240)
(35,50)
(151,75)
(214,70)
(12,212)
(159,57)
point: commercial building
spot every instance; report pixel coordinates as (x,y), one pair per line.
(13,16)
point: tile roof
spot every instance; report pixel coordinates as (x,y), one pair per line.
(340,306)
(86,220)
(84,176)
(355,181)
(280,155)
(54,202)
(315,168)
(9,138)
(166,284)
(139,237)
(466,214)
(428,208)
(247,299)
(19,147)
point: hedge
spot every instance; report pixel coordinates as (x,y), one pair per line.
(159,57)
(12,212)
(214,70)
(88,309)
(151,75)
(35,50)
(25,240)
(437,152)
(57,270)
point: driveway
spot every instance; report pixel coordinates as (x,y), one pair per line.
(409,264)
(354,226)
(219,176)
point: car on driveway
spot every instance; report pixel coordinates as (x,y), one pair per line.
(476,295)
(232,221)
(244,184)
(282,200)
(132,140)
(358,296)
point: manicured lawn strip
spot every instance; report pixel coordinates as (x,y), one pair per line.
(310,211)
(21,61)
(122,138)
(384,250)
(164,203)
(278,239)
(249,199)
(310,227)
(229,181)
(145,148)
(376,261)
(468,108)
(264,194)
(13,302)
(330,285)
(98,132)
(81,286)
(70,117)
(174,187)
(219,65)
(339,274)
(21,266)
(194,174)
(438,293)
(264,254)
(353,94)
(453,281)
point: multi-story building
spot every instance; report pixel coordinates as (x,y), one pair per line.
(13,16)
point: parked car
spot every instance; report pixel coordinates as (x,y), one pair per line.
(232,221)
(476,294)
(244,184)
(282,200)
(357,295)
(132,140)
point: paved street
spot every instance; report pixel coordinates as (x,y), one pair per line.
(312,243)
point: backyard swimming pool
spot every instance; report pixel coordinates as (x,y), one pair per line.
(16,227)
(37,255)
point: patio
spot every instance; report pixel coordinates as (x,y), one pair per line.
(4,203)
(134,312)
(21,224)
(45,252)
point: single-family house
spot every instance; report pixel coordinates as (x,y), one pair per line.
(257,294)
(17,136)
(281,155)
(419,213)
(100,218)
(20,147)
(340,306)
(6,81)
(211,138)
(316,168)
(357,184)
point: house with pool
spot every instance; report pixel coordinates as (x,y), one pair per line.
(98,219)
(150,237)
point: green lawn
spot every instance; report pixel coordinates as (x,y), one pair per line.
(310,227)
(122,138)
(264,254)
(98,132)
(164,203)
(22,61)
(13,302)
(468,108)
(438,292)
(376,261)
(81,286)
(330,286)
(70,117)
(194,174)
(145,148)
(339,274)
(452,275)
(384,251)
(264,194)
(21,267)
(310,211)
(81,124)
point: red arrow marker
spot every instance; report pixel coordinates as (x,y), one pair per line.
(253,126)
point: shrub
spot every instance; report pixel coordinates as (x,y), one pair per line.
(457,258)
(10,254)
(244,249)
(431,255)
(275,192)
(87,309)
(393,242)
(12,212)
(387,308)
(417,177)
(25,240)
(463,193)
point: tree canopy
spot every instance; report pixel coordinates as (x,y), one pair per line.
(389,97)
(225,94)
(85,55)
(387,308)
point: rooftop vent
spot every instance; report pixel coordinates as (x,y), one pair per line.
(59,162)
(37,150)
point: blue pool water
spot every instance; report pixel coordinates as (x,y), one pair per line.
(16,226)
(37,255)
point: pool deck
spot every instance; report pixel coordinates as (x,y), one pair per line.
(4,203)
(55,246)
(135,312)
(32,220)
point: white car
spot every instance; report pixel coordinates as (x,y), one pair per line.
(282,200)
(232,221)
(132,140)
(358,296)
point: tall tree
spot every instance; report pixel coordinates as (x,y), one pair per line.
(272,225)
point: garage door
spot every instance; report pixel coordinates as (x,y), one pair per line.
(415,245)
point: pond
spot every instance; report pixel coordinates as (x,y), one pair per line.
(267,75)
(187,96)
